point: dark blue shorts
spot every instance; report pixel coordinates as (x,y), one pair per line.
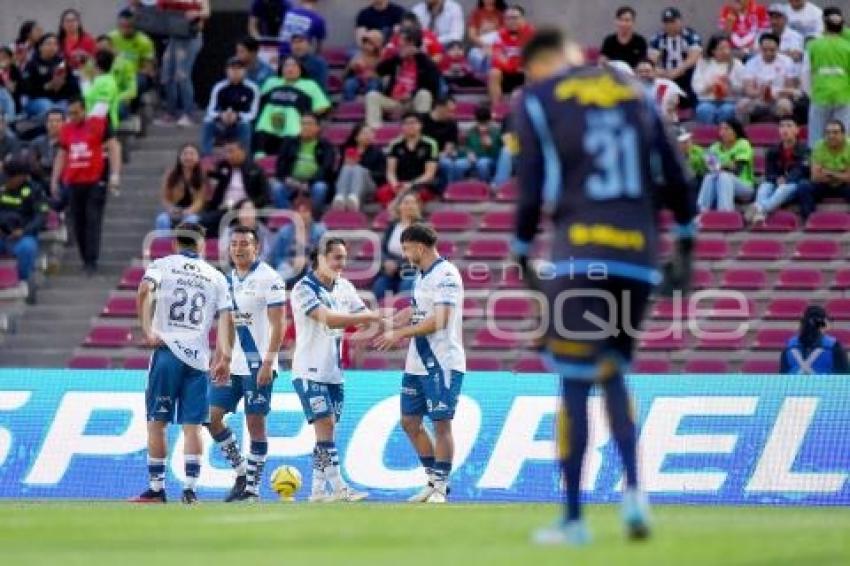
(319,400)
(176,392)
(257,399)
(431,395)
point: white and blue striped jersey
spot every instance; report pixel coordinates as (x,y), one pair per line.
(318,349)
(441,284)
(253,295)
(189,293)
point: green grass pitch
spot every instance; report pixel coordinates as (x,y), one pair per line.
(88,534)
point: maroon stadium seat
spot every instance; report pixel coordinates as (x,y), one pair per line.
(702,279)
(345,220)
(650,366)
(801,279)
(760,366)
(785,309)
(334,84)
(838,309)
(497,221)
(336,55)
(472,308)
(665,341)
(477,279)
(501,108)
(89,362)
(374,363)
(367,250)
(828,221)
(8,275)
(759,249)
(817,250)
(666,308)
(381,221)
(278,219)
(120,307)
(486,339)
(137,362)
(387,133)
(508,192)
(711,249)
(488,249)
(109,337)
(721,342)
(160,247)
(744,279)
(779,221)
(483,364)
(353,111)
(721,221)
(467,191)
(451,220)
(763,135)
(465,110)
(530,364)
(759,163)
(447,248)
(211,249)
(704,134)
(842,279)
(131,277)
(841,334)
(706,366)
(511,307)
(396,302)
(729,308)
(268,164)
(336,133)
(772,338)
(664,218)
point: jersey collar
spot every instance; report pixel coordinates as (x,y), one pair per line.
(433,265)
(191,254)
(251,270)
(315,278)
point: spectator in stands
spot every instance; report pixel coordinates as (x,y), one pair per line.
(694,155)
(305,166)
(443,17)
(485,21)
(285,99)
(47,81)
(743,21)
(302,19)
(178,62)
(10,82)
(382,16)
(831,164)
(440,125)
(730,169)
(76,44)
(23,211)
(397,274)
(295,242)
(676,51)
(233,107)
(266,17)
(363,169)
(183,189)
(812,351)
(256,70)
(624,45)
(506,66)
(125,76)
(786,174)
(360,74)
(790,40)
(102,87)
(43,150)
(431,46)
(771,84)
(26,44)
(666,93)
(236,177)
(80,166)
(246,215)
(137,49)
(414,81)
(9,142)
(314,65)
(718,82)
(826,73)
(456,69)
(483,144)
(411,163)
(805,17)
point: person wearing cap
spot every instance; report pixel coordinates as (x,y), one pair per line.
(23,210)
(805,17)
(315,65)
(826,76)
(233,106)
(676,50)
(812,351)
(790,40)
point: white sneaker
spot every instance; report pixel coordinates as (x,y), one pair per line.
(338,203)
(185,122)
(439,495)
(347,494)
(423,495)
(353,203)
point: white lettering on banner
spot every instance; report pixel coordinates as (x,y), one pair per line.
(659,438)
(10,401)
(279,446)
(67,438)
(773,472)
(364,456)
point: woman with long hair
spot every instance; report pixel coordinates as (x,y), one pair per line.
(731,169)
(47,80)
(76,44)
(812,351)
(29,34)
(363,168)
(718,81)
(182,190)
(396,273)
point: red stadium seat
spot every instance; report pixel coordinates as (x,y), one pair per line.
(706,366)
(838,309)
(662,341)
(497,221)
(501,108)
(9,275)
(744,279)
(840,334)
(511,279)
(353,111)
(488,249)
(268,164)
(532,364)
(785,309)
(336,55)
(779,221)
(381,221)
(763,135)
(334,84)
(387,133)
(345,220)
(702,279)
(828,221)
(719,341)
(483,364)
(760,366)
(711,249)
(485,339)
(89,362)
(451,220)
(650,366)
(367,250)
(109,337)
(721,221)
(759,163)
(800,279)
(842,279)
(374,363)
(729,308)
(396,302)
(160,247)
(772,338)
(278,219)
(131,277)
(511,307)
(336,133)
(472,308)
(508,192)
(757,249)
(817,250)
(447,248)
(704,134)
(667,309)
(212,252)
(122,307)
(465,110)
(467,191)
(477,279)
(137,362)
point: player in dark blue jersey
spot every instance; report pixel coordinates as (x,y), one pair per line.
(594,157)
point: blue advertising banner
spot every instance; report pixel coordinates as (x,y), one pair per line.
(720,439)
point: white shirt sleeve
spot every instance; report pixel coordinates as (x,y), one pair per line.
(276,292)
(355,302)
(251,115)
(224,300)
(304,299)
(448,290)
(153,273)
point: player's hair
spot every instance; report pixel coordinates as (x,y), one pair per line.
(324,248)
(769,36)
(546,40)
(189,234)
(246,230)
(838,123)
(622,10)
(250,43)
(811,325)
(420,234)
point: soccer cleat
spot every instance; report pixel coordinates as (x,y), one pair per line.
(423,495)
(318,497)
(189,497)
(635,514)
(440,494)
(570,533)
(347,495)
(237,490)
(150,496)
(246,496)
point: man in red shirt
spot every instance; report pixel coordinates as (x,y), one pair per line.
(430,44)
(743,20)
(81,167)
(506,72)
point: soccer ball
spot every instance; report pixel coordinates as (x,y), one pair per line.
(286,481)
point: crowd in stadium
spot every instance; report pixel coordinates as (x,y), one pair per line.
(264,136)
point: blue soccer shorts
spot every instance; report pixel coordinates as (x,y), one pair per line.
(435,395)
(257,399)
(176,392)
(319,400)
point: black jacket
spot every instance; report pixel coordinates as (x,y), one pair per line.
(37,73)
(288,155)
(375,160)
(256,184)
(24,207)
(427,77)
(798,169)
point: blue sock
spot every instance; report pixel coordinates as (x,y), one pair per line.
(331,457)
(428,464)
(192,467)
(256,463)
(622,422)
(442,471)
(573,441)
(156,473)
(230,448)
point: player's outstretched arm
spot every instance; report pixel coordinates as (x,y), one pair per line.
(264,376)
(144,310)
(225,339)
(429,325)
(341,320)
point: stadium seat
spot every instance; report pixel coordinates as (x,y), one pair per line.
(374,363)
(800,279)
(666,309)
(757,249)
(451,220)
(89,362)
(841,334)
(501,108)
(759,163)
(760,366)
(465,110)
(650,366)
(477,279)
(447,248)
(763,134)
(9,275)
(706,366)
(530,364)
(485,339)
(137,362)
(828,221)
(353,111)
(510,307)
(488,249)
(278,219)
(345,220)
(497,221)
(396,302)
(838,309)
(336,55)
(744,279)
(511,278)
(160,247)
(508,192)
(121,307)
(662,341)
(483,364)
(336,134)
(719,341)
(779,221)
(467,191)
(472,308)
(817,250)
(720,221)
(711,249)
(704,134)
(268,164)
(387,133)
(772,338)
(212,252)
(334,84)
(131,277)
(730,308)
(367,250)
(702,279)
(381,221)
(785,309)
(109,337)
(842,279)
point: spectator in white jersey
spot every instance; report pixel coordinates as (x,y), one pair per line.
(805,17)
(323,305)
(258,296)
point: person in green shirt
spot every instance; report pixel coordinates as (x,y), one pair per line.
(284,100)
(137,49)
(831,163)
(124,73)
(694,154)
(483,144)
(103,88)
(828,65)
(730,164)
(305,166)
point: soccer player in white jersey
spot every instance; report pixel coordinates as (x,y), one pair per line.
(258,295)
(323,305)
(177,302)
(436,361)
